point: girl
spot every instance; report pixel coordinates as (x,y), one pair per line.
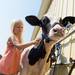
(10,62)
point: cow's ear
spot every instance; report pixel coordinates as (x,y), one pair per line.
(33,20)
(67,19)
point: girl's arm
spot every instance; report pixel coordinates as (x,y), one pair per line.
(11,43)
(23,46)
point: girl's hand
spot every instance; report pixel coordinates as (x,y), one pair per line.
(36,41)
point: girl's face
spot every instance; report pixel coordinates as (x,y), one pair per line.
(18,28)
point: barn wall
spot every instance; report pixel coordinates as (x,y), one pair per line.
(62,8)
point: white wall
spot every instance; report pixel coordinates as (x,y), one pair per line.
(62,8)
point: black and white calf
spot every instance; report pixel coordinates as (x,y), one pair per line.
(34,60)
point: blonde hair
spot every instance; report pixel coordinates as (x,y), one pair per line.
(15,22)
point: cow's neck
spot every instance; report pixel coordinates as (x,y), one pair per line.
(48,46)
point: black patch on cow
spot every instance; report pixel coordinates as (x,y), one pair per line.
(67,19)
(37,53)
(45,24)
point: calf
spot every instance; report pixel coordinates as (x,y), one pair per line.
(34,61)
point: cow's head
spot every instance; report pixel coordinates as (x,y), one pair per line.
(47,23)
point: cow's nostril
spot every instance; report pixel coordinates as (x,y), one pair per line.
(54,30)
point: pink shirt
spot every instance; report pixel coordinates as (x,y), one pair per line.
(9,63)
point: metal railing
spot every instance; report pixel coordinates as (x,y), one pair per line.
(71,33)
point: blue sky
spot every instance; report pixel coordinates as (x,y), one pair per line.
(16,9)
